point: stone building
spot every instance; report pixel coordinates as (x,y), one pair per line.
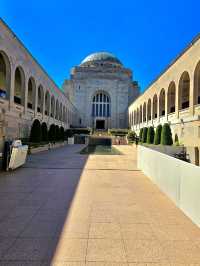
(101,89)
(174,97)
(27,92)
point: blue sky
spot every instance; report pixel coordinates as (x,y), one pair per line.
(144,35)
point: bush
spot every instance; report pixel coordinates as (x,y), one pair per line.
(35,134)
(118,132)
(131,136)
(44,131)
(62,134)
(176,140)
(140,135)
(76,131)
(144,135)
(150,135)
(57,133)
(157,137)
(52,133)
(166,135)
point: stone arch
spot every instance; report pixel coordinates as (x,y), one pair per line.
(196,93)
(5,75)
(171,98)
(162,103)
(149,110)
(155,106)
(184,91)
(19,87)
(47,102)
(52,106)
(144,112)
(31,93)
(40,99)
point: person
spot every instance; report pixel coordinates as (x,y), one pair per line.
(136,141)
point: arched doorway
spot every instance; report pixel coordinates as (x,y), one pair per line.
(101,110)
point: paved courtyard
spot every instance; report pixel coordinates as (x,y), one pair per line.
(67,209)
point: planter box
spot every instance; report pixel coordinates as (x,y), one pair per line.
(39,149)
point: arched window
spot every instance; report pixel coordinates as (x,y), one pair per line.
(4,76)
(162,103)
(149,110)
(52,106)
(171,97)
(31,94)
(40,99)
(47,103)
(101,106)
(144,112)
(184,91)
(19,86)
(155,106)
(197,84)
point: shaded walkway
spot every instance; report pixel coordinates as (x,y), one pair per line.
(64,208)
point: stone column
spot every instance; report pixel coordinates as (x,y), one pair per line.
(177,100)
(12,86)
(191,97)
(43,104)
(25,95)
(36,99)
(166,106)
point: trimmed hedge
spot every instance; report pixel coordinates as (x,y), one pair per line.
(44,131)
(166,135)
(118,132)
(144,135)
(76,131)
(140,134)
(52,133)
(62,134)
(150,135)
(35,134)
(57,133)
(157,137)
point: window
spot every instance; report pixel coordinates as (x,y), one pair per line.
(101,105)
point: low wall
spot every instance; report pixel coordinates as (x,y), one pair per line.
(179,180)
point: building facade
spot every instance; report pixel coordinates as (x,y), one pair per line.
(174,97)
(27,92)
(101,89)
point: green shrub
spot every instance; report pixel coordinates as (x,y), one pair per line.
(77,131)
(62,134)
(35,134)
(150,135)
(176,140)
(52,133)
(140,135)
(118,132)
(144,135)
(157,137)
(44,131)
(57,133)
(166,135)
(131,136)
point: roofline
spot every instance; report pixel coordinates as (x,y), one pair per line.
(194,40)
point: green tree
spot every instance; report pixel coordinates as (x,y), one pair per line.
(140,135)
(166,135)
(35,134)
(144,135)
(52,133)
(57,133)
(44,131)
(62,134)
(150,135)
(157,137)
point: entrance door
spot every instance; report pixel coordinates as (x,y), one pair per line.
(100,124)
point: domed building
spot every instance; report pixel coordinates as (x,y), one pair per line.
(101,88)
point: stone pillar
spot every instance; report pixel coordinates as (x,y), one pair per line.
(36,99)
(12,86)
(166,106)
(43,104)
(158,109)
(25,95)
(191,97)
(177,100)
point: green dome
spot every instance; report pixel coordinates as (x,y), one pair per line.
(101,57)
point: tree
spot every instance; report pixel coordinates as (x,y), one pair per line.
(52,133)
(57,133)
(144,135)
(150,135)
(166,135)
(62,134)
(44,132)
(35,134)
(157,137)
(140,135)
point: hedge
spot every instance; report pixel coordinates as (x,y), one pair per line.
(140,135)
(44,132)
(52,133)
(157,137)
(131,136)
(150,135)
(118,132)
(166,135)
(35,134)
(144,135)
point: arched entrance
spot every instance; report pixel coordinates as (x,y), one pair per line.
(101,110)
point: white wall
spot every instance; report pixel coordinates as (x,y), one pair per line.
(178,179)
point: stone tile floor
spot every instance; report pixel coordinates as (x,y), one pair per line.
(67,209)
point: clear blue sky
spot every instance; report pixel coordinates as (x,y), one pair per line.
(144,35)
